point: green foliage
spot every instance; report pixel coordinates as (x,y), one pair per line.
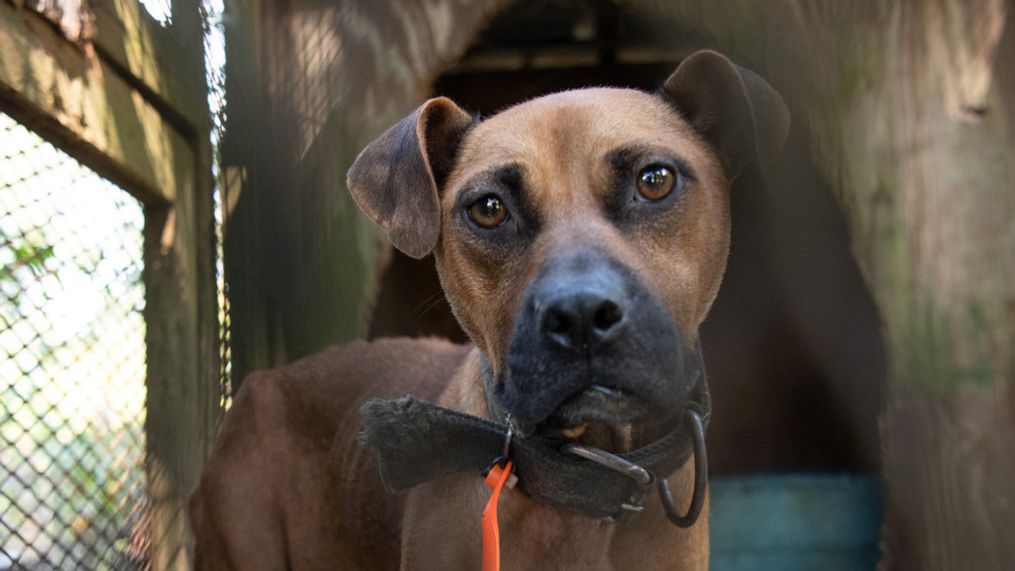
(24,254)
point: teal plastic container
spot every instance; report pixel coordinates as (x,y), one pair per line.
(791,522)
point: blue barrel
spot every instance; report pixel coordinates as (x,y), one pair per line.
(791,522)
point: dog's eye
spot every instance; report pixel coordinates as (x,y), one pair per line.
(488,211)
(656,182)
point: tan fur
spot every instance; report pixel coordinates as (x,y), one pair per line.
(683,264)
(288,488)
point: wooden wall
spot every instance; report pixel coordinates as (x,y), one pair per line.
(310,83)
(908,112)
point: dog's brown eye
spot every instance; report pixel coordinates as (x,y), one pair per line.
(656,182)
(488,211)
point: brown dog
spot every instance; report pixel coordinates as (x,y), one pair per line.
(580,239)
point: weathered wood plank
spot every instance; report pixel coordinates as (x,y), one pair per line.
(183,383)
(182,318)
(81,104)
(73,17)
(152,55)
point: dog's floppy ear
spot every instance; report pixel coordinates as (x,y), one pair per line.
(395,179)
(735,110)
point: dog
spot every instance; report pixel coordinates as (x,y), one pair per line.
(580,239)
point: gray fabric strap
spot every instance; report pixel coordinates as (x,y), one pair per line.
(416,442)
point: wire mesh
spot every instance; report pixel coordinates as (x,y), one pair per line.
(212,13)
(72,363)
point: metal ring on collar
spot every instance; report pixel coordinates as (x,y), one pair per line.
(700,478)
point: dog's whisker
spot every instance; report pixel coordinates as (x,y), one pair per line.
(428,302)
(434,304)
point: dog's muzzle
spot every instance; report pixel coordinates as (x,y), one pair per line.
(592,344)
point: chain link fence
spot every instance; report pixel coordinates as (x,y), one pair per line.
(72,363)
(212,14)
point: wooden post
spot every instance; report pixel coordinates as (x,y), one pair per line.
(910,106)
(182,316)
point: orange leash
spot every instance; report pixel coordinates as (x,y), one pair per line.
(491,534)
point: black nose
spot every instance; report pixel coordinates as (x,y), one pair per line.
(581,319)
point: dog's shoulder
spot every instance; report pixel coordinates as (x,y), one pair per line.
(287,447)
(325,385)
(375,368)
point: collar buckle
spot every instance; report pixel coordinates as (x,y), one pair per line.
(644,478)
(620,465)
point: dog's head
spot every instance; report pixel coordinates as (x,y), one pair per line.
(580,237)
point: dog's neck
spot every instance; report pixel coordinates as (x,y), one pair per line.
(540,534)
(549,538)
(466,391)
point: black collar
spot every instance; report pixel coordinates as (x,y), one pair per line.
(416,442)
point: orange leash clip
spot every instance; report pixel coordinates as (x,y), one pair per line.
(496,479)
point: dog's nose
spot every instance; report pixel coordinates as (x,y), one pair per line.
(581,319)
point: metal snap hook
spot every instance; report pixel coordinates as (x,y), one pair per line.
(507,437)
(505,453)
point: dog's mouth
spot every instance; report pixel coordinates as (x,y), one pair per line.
(600,416)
